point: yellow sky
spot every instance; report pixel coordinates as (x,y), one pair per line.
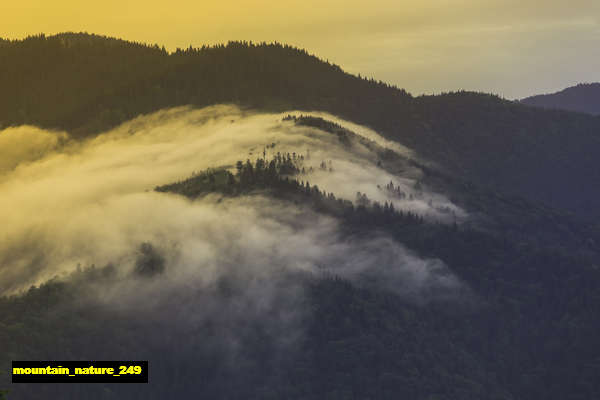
(510,47)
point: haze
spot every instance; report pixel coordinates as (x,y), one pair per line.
(509,47)
(66,203)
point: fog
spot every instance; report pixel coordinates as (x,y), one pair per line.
(24,144)
(67,203)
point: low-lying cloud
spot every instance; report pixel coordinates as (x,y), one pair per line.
(24,144)
(92,202)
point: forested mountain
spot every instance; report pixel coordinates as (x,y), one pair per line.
(251,253)
(525,329)
(583,98)
(85,84)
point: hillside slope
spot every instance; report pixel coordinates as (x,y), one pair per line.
(523,327)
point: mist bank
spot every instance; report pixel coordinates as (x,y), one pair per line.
(81,203)
(266,292)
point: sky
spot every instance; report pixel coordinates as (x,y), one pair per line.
(513,48)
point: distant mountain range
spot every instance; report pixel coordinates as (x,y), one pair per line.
(583,98)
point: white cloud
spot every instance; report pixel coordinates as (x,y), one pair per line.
(93,202)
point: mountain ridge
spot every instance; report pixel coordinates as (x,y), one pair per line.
(583,98)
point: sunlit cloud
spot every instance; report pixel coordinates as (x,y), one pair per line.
(93,202)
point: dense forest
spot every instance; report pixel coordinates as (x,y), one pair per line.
(525,327)
(86,83)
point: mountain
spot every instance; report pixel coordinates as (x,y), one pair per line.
(86,83)
(583,98)
(313,296)
(175,208)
